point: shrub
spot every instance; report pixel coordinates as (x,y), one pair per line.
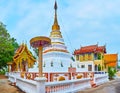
(111,72)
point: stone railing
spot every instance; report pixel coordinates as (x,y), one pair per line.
(53,77)
(28,86)
(39,85)
(17,74)
(12,79)
(101,79)
(99,72)
(67,86)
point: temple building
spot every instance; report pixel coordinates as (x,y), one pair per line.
(93,53)
(110,60)
(23,59)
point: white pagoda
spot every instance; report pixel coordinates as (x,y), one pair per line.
(56,57)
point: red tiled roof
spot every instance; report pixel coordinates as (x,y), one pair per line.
(90,49)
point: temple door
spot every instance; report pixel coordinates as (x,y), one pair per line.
(23,65)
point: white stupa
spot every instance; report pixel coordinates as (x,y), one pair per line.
(56,57)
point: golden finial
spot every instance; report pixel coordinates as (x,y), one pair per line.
(55,25)
(55,6)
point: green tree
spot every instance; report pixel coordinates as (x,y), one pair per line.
(111,72)
(8,46)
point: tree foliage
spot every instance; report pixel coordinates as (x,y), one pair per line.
(111,72)
(8,46)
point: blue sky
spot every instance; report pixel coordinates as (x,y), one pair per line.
(82,22)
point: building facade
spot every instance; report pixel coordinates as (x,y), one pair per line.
(23,59)
(93,53)
(110,60)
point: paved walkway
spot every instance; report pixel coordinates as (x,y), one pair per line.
(5,86)
(109,87)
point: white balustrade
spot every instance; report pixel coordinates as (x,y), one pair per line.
(12,78)
(101,79)
(17,74)
(28,86)
(67,86)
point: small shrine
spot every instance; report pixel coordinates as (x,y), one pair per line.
(23,59)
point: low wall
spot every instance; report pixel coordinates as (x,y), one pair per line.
(101,79)
(67,86)
(12,78)
(28,86)
(31,86)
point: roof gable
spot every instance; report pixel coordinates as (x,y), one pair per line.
(90,49)
(22,50)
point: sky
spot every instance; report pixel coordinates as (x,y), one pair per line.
(82,22)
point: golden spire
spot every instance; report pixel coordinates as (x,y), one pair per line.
(55,25)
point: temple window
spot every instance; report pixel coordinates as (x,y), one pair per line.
(78,66)
(89,67)
(51,63)
(44,64)
(99,67)
(82,66)
(61,64)
(89,56)
(99,56)
(83,57)
(96,68)
(77,57)
(95,56)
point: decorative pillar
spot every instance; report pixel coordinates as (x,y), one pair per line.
(39,42)
(40,61)
(40,84)
(9,66)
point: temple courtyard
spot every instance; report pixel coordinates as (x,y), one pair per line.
(109,87)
